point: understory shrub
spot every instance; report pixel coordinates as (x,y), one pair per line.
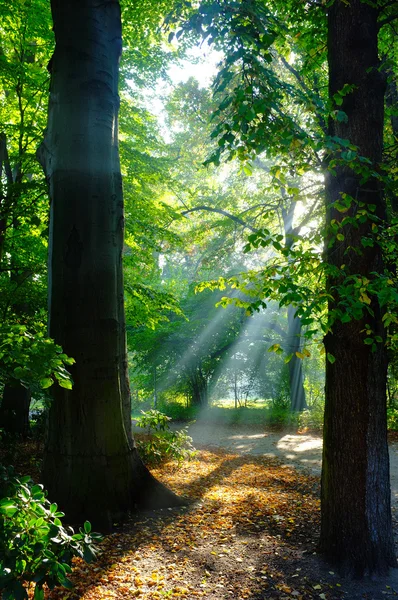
(179,412)
(392,419)
(280,416)
(312,417)
(161,443)
(34,545)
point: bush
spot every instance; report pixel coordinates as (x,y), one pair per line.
(312,417)
(34,545)
(392,419)
(160,443)
(179,412)
(278,415)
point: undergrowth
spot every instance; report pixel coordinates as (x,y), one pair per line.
(160,443)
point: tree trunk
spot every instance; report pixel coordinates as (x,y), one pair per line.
(90,467)
(15,403)
(296,378)
(199,387)
(14,409)
(356,530)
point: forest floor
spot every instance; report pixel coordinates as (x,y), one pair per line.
(251,532)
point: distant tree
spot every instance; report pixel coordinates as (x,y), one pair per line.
(222,210)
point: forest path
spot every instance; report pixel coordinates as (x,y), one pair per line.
(301,451)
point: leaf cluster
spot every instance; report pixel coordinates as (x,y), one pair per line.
(32,358)
(34,544)
(161,443)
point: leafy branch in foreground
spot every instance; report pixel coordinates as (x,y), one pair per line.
(32,358)
(34,545)
(295,275)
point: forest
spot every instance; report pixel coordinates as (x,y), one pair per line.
(199,299)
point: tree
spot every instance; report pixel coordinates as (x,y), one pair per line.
(356,516)
(25,48)
(235,204)
(90,466)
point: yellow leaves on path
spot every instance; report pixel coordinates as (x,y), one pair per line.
(243,537)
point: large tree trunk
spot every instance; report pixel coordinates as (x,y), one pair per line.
(90,467)
(356,527)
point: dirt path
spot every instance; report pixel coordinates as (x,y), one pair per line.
(302,451)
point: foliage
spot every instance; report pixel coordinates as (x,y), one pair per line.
(32,358)
(179,411)
(34,545)
(392,419)
(311,419)
(161,443)
(38,420)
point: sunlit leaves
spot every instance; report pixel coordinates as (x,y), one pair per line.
(34,545)
(32,358)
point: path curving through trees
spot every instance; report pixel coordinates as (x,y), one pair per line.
(301,451)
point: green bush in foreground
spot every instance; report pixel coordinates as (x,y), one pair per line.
(34,545)
(160,443)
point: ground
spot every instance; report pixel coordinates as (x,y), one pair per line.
(250,533)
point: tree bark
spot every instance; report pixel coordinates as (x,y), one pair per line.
(14,409)
(198,387)
(356,529)
(90,467)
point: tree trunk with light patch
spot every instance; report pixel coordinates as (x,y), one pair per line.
(90,467)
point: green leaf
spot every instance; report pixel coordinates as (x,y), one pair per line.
(331,358)
(87,526)
(46,382)
(7,507)
(65,383)
(39,593)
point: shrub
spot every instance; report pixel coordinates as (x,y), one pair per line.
(34,545)
(160,443)
(312,417)
(179,412)
(392,419)
(278,415)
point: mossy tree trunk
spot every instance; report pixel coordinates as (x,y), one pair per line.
(90,466)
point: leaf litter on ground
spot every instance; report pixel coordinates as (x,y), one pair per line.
(250,533)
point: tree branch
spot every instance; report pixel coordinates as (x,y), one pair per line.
(387,20)
(221,212)
(305,87)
